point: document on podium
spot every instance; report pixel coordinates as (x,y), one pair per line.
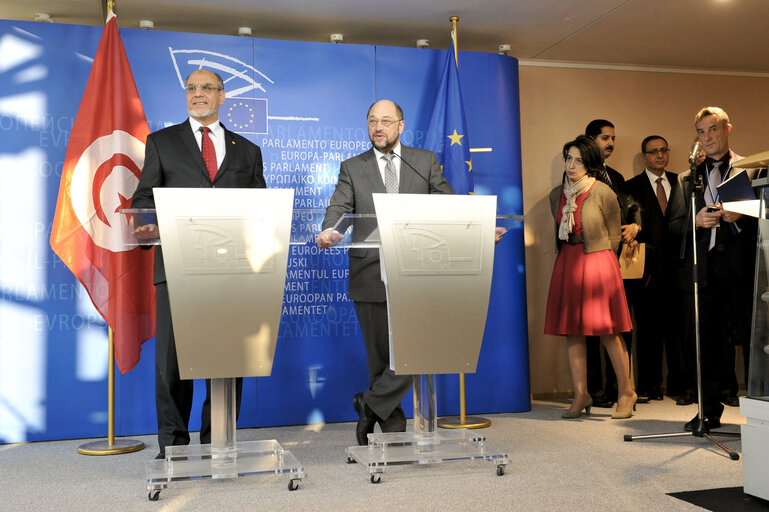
(736,188)
(737,195)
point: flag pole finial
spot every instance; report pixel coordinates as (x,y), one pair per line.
(454,20)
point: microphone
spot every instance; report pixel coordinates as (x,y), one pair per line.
(412,167)
(695,152)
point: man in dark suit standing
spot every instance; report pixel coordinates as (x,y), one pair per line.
(654,296)
(199,153)
(726,256)
(602,131)
(388,167)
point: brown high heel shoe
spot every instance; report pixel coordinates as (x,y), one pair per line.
(623,415)
(576,414)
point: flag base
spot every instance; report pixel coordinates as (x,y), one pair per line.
(103,447)
(470,422)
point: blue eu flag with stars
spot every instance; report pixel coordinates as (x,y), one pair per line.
(447,133)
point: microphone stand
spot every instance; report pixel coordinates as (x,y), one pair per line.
(700,427)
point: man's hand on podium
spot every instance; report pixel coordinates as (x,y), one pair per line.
(328,238)
(146,232)
(499,232)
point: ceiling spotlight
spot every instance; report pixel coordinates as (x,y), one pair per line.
(146,24)
(44,17)
(244,31)
(423,43)
(503,49)
(337,38)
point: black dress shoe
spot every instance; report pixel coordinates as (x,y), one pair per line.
(686,398)
(161,455)
(366,419)
(643,397)
(710,423)
(730,399)
(655,394)
(601,400)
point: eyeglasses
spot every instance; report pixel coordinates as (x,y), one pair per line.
(662,151)
(202,87)
(384,122)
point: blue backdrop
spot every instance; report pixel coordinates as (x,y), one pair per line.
(305,105)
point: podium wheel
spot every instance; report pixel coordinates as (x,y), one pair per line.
(153,495)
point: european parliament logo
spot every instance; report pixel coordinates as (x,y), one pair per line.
(241,113)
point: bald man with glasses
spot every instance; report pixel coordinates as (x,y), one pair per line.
(198,153)
(390,167)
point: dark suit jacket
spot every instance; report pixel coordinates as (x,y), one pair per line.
(661,250)
(172,159)
(740,246)
(359,178)
(631,212)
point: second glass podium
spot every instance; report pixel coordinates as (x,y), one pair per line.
(436,257)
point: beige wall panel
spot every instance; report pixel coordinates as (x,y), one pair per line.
(557,103)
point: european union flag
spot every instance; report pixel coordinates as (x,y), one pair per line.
(245,115)
(447,133)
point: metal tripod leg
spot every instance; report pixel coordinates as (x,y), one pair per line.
(699,427)
(706,434)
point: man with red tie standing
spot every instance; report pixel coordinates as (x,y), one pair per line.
(657,317)
(198,153)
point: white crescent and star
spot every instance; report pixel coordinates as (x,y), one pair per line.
(103,181)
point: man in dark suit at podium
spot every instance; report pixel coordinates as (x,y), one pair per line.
(198,153)
(393,168)
(657,315)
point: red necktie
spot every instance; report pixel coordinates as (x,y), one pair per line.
(661,197)
(209,153)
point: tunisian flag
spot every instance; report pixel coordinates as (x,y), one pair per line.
(104,158)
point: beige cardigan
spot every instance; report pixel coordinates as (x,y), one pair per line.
(600,217)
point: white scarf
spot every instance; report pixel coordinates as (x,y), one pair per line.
(571,190)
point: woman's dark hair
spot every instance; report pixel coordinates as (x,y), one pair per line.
(588,149)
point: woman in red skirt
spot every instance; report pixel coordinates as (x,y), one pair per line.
(586,295)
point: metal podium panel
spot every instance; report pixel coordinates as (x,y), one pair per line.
(437,262)
(225,253)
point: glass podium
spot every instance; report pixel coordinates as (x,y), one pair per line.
(225,254)
(755,406)
(430,247)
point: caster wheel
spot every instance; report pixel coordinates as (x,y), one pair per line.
(734,456)
(500,470)
(376,478)
(350,460)
(153,495)
(293,485)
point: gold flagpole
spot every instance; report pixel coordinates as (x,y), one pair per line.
(463,421)
(110,447)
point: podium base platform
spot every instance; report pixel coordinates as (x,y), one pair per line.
(207,461)
(431,448)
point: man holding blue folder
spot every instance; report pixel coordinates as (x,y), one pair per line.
(725,260)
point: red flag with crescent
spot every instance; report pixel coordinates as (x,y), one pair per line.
(103,162)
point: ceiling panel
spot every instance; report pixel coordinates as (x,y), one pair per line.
(703,34)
